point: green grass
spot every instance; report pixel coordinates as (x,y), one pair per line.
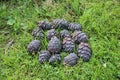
(99,19)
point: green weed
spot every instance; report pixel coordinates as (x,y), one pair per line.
(99,19)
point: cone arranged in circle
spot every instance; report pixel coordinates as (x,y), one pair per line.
(71,59)
(51,33)
(55,59)
(64,33)
(33,46)
(45,25)
(68,44)
(44,56)
(75,26)
(84,51)
(79,37)
(37,32)
(54,45)
(60,23)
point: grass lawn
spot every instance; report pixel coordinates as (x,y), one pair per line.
(100,19)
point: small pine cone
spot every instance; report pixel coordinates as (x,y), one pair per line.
(84,51)
(56,58)
(54,45)
(33,46)
(71,59)
(44,25)
(79,37)
(68,44)
(75,26)
(37,32)
(51,33)
(60,23)
(44,56)
(64,33)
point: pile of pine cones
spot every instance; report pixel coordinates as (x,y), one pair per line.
(60,42)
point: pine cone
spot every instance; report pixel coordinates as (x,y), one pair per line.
(68,44)
(64,33)
(79,37)
(33,46)
(71,59)
(44,25)
(55,59)
(54,45)
(84,51)
(75,26)
(44,56)
(37,32)
(60,23)
(51,33)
